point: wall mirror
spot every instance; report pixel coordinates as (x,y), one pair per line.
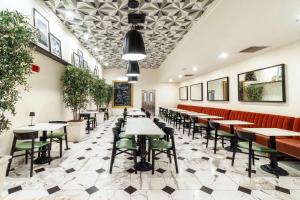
(218,89)
(183,93)
(263,85)
(196,92)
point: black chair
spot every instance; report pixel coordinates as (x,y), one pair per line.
(187,123)
(164,146)
(248,143)
(59,137)
(155,120)
(148,114)
(218,133)
(143,110)
(197,127)
(122,146)
(29,145)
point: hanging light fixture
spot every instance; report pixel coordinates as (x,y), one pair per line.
(132,79)
(133,69)
(133,46)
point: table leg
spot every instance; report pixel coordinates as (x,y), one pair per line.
(208,131)
(232,141)
(143,165)
(43,158)
(273,166)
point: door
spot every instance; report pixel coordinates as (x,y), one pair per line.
(148,101)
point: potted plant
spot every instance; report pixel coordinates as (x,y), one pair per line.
(107,98)
(15,67)
(254,92)
(76,84)
(97,91)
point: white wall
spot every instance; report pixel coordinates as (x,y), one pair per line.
(166,93)
(288,55)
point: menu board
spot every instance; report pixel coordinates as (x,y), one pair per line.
(122,94)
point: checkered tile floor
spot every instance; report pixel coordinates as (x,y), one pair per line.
(82,174)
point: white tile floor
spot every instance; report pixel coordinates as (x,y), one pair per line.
(202,175)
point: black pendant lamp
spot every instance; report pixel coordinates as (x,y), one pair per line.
(132,79)
(133,46)
(133,69)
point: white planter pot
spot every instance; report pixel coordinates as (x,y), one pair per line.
(76,131)
(100,117)
(3,165)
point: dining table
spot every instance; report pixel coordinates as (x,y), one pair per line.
(232,124)
(142,127)
(208,128)
(44,128)
(88,113)
(136,113)
(272,133)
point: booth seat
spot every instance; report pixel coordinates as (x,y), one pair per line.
(290,145)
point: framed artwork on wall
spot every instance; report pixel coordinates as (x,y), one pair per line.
(42,26)
(76,60)
(263,85)
(55,46)
(218,89)
(183,93)
(81,59)
(122,96)
(196,92)
(85,64)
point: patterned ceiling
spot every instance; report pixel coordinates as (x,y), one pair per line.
(105,21)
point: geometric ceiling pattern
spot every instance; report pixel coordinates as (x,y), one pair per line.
(100,25)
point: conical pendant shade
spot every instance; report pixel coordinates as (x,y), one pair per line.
(132,79)
(133,46)
(133,68)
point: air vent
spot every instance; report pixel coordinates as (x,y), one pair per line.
(187,75)
(253,49)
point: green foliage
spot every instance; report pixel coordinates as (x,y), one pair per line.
(250,76)
(108,94)
(76,86)
(15,60)
(254,92)
(98,91)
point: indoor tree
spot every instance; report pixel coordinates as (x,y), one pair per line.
(97,91)
(108,95)
(76,85)
(15,61)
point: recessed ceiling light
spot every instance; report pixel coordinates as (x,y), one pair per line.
(195,69)
(70,15)
(106,64)
(223,55)
(180,76)
(170,80)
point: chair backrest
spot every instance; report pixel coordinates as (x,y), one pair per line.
(169,134)
(143,110)
(245,135)
(26,135)
(214,125)
(155,120)
(148,114)
(161,125)
(118,124)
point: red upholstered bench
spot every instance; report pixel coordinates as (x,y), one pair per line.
(290,145)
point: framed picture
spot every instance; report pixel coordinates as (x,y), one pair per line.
(55,45)
(122,96)
(263,85)
(81,60)
(76,60)
(218,89)
(85,64)
(183,93)
(96,73)
(196,92)
(42,26)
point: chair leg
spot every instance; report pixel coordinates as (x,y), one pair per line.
(249,163)
(112,160)
(169,155)
(223,142)
(149,153)
(26,156)
(31,162)
(233,156)
(175,160)
(66,141)
(60,147)
(153,160)
(193,134)
(215,147)
(253,158)
(135,160)
(50,143)
(49,154)
(207,139)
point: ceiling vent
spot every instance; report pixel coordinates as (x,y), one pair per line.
(253,49)
(187,75)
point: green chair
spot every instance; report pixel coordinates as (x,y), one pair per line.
(218,134)
(59,136)
(186,124)
(121,133)
(160,125)
(248,143)
(121,145)
(197,127)
(164,146)
(28,145)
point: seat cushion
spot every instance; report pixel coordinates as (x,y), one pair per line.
(154,137)
(160,144)
(122,135)
(225,134)
(126,144)
(27,145)
(290,146)
(56,135)
(256,147)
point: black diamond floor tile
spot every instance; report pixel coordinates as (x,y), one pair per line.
(245,190)
(94,142)
(98,137)
(53,190)
(168,189)
(130,189)
(281,189)
(70,170)
(92,190)
(206,190)
(205,158)
(160,170)
(130,158)
(101,170)
(156,158)
(221,171)
(190,170)
(229,158)
(252,170)
(14,189)
(180,158)
(106,158)
(88,149)
(186,143)
(130,170)
(81,158)
(39,170)
(193,149)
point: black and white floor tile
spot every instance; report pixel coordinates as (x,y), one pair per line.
(82,174)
